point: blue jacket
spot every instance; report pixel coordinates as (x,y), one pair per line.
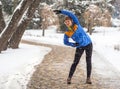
(78,35)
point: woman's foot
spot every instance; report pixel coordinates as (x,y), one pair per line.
(88,81)
(69,81)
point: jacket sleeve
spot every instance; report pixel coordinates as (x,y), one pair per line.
(66,41)
(71,15)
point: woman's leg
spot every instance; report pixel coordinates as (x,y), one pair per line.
(78,54)
(88,50)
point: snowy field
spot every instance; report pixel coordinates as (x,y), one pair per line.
(16,66)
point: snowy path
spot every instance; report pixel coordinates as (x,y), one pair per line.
(53,71)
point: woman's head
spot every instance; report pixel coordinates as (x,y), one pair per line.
(68,21)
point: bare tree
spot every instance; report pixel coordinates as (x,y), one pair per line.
(44,13)
(44,25)
(95,16)
(10,28)
(16,38)
(2,22)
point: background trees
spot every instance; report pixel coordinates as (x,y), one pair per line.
(88,20)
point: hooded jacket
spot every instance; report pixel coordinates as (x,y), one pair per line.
(77,34)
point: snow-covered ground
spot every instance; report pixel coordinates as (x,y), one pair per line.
(107,44)
(16,66)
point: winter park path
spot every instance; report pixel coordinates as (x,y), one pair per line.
(53,71)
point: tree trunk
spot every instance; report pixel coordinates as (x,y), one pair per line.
(2,22)
(43,32)
(10,29)
(16,38)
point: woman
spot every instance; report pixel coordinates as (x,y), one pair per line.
(82,42)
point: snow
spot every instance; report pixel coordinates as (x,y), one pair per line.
(116,22)
(17,66)
(105,39)
(50,36)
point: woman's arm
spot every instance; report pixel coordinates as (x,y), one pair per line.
(66,41)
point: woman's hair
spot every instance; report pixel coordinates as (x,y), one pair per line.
(68,18)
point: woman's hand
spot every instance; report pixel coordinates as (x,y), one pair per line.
(57,11)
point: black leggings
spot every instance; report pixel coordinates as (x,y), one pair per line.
(78,54)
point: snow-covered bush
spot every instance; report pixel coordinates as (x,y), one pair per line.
(47,15)
(95,16)
(43,17)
